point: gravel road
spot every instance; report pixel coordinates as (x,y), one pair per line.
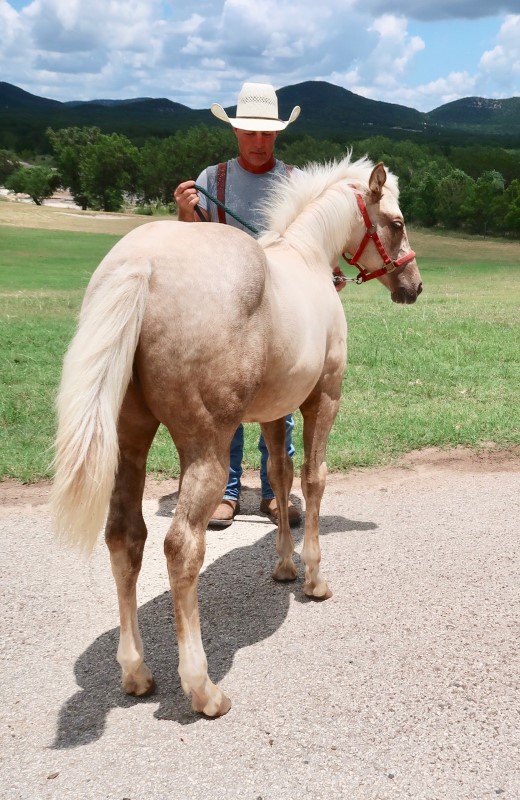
(404,685)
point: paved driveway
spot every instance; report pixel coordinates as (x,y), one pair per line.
(404,685)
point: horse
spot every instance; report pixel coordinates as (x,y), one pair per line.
(201,327)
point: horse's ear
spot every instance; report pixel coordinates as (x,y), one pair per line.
(377,181)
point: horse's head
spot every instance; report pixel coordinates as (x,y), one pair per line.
(380,242)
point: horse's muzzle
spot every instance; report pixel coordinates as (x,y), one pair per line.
(406,295)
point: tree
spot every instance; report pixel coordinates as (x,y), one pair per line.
(152,182)
(8,164)
(108,168)
(424,203)
(452,193)
(484,202)
(189,152)
(164,164)
(307,149)
(38,182)
(418,197)
(511,211)
(97,168)
(69,146)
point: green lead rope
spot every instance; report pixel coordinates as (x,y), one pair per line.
(224,208)
(335,278)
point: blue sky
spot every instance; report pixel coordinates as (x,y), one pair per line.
(422,54)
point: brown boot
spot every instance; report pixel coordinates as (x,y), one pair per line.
(269,507)
(224,514)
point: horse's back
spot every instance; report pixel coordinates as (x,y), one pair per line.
(203,335)
(194,253)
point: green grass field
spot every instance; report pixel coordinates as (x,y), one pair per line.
(443,372)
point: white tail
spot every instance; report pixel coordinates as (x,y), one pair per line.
(96,373)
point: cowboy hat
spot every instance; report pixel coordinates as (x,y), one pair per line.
(257,110)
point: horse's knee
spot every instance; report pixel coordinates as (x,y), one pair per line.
(313,481)
(125,538)
(184,551)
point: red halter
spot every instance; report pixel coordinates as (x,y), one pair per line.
(371,233)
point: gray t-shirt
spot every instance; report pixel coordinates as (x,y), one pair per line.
(245,192)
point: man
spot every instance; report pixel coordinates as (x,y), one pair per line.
(243,184)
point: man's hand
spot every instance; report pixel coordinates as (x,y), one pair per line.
(186,198)
(340,280)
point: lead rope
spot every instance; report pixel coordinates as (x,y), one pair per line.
(225,209)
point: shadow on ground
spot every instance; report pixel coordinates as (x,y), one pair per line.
(240,605)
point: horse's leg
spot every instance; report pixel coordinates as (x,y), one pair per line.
(280,474)
(319,412)
(204,475)
(125,535)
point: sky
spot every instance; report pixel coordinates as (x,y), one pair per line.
(421,54)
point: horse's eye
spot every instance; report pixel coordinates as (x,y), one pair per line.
(397,225)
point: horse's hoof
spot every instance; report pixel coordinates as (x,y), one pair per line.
(285,571)
(141,684)
(211,707)
(319,592)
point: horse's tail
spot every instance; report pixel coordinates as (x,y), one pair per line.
(96,373)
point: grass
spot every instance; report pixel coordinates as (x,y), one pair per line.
(42,278)
(443,372)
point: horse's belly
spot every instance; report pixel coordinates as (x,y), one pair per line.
(294,373)
(277,398)
(266,407)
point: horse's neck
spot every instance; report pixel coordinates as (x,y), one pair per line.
(319,233)
(324,225)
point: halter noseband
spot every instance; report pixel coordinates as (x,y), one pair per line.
(389,265)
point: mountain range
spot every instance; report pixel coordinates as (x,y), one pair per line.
(328,111)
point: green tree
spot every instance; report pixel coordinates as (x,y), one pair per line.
(512,211)
(424,203)
(452,193)
(152,182)
(8,164)
(164,164)
(476,159)
(38,182)
(108,169)
(484,203)
(418,196)
(307,149)
(69,147)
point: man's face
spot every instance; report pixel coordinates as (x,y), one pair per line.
(256,147)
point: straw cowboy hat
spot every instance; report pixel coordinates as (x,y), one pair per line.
(257,109)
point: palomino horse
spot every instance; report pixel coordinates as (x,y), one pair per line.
(201,327)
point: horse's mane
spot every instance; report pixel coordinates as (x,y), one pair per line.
(293,209)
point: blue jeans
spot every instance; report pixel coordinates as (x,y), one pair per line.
(237,453)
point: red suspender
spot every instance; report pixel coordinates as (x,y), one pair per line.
(221,190)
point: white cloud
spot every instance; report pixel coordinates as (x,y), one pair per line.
(378,75)
(395,48)
(190,25)
(83,49)
(75,25)
(499,68)
(14,42)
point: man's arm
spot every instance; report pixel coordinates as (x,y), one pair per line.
(186,198)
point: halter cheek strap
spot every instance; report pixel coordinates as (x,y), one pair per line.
(389,265)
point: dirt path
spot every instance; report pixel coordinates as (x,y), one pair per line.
(423,462)
(403,686)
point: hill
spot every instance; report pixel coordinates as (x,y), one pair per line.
(331,111)
(328,111)
(496,116)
